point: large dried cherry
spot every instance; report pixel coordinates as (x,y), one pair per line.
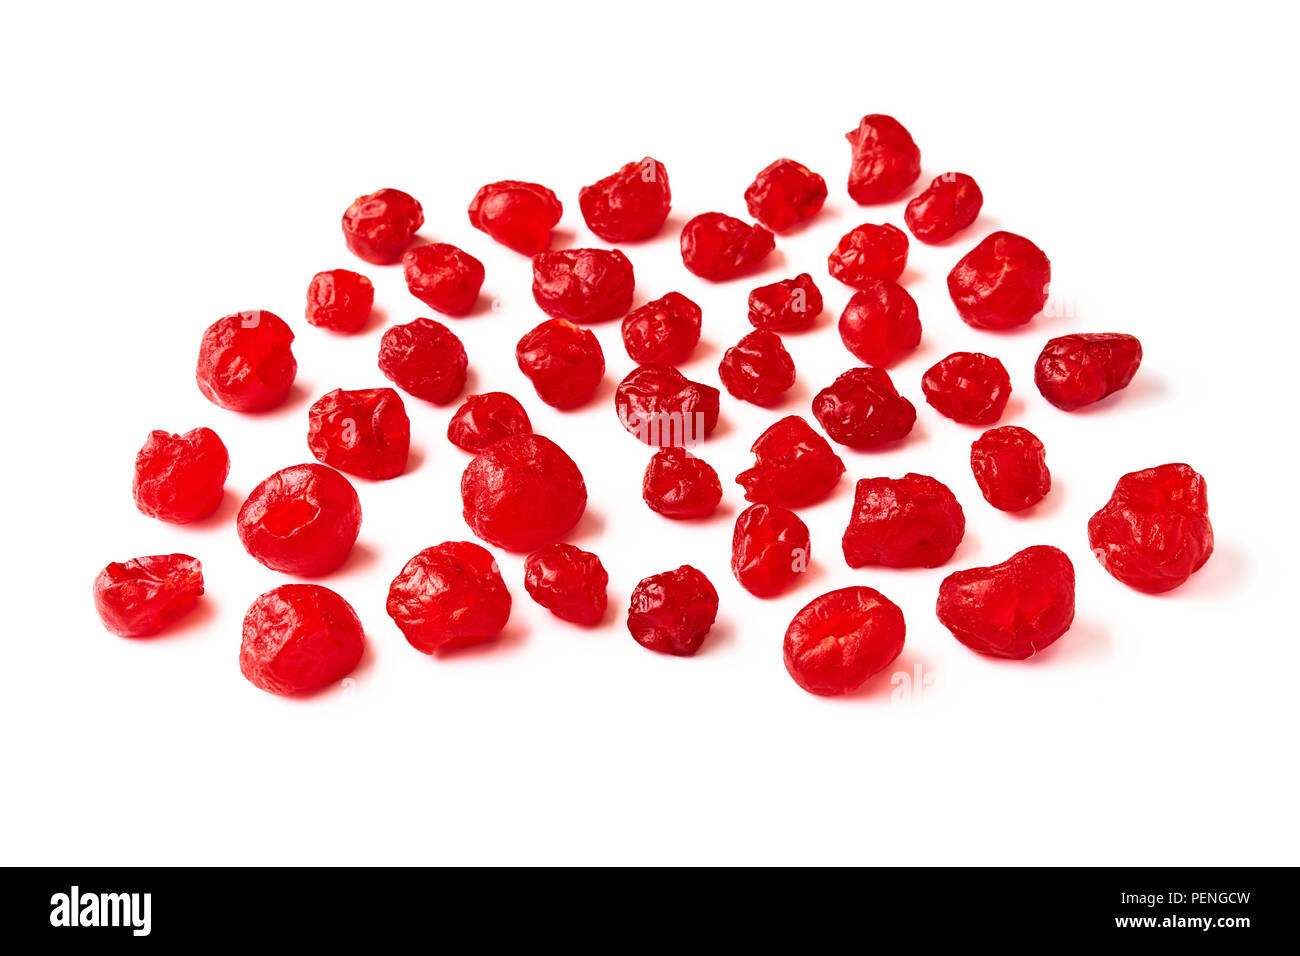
(518,215)
(672,612)
(180,478)
(246,363)
(791,305)
(770,548)
(793,466)
(485,419)
(679,485)
(380,226)
(1001,283)
(450,595)
(757,369)
(583,285)
(908,522)
(661,406)
(364,432)
(339,300)
(664,330)
(522,493)
(443,277)
(628,205)
(949,204)
(1076,370)
(716,246)
(784,194)
(867,253)
(968,387)
(841,639)
(880,324)
(299,638)
(1010,468)
(862,409)
(140,597)
(885,159)
(569,582)
(302,520)
(426,359)
(564,362)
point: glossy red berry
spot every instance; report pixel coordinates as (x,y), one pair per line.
(843,638)
(426,359)
(1001,283)
(1076,370)
(246,362)
(583,285)
(880,325)
(784,194)
(672,612)
(679,485)
(570,583)
(863,410)
(180,478)
(867,253)
(522,493)
(968,387)
(299,638)
(516,214)
(665,330)
(949,204)
(885,159)
(757,369)
(791,305)
(793,466)
(661,406)
(363,432)
(1010,467)
(908,522)
(140,597)
(485,419)
(770,548)
(443,277)
(339,300)
(302,520)
(564,363)
(718,247)
(380,226)
(628,205)
(450,595)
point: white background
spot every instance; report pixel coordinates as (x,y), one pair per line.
(164,168)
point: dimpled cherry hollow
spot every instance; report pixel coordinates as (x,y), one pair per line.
(949,204)
(142,596)
(443,277)
(717,247)
(485,419)
(583,285)
(426,359)
(564,363)
(447,596)
(968,387)
(1010,468)
(880,325)
(302,520)
(785,194)
(679,485)
(862,410)
(628,205)
(791,305)
(299,638)
(770,548)
(672,612)
(757,369)
(379,227)
(364,432)
(867,253)
(517,214)
(660,406)
(908,522)
(1076,370)
(843,638)
(180,478)
(1001,283)
(522,493)
(793,466)
(665,330)
(246,362)
(885,160)
(570,583)
(339,300)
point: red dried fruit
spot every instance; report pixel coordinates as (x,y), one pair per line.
(793,466)
(379,227)
(516,214)
(426,359)
(138,598)
(950,204)
(880,324)
(486,419)
(522,493)
(564,363)
(673,611)
(299,638)
(443,277)
(339,300)
(790,305)
(665,330)
(679,485)
(770,548)
(180,478)
(363,432)
(862,409)
(1010,468)
(583,285)
(246,363)
(784,194)
(302,520)
(867,253)
(1012,609)
(841,639)
(908,522)
(717,247)
(757,369)
(568,582)
(660,406)
(968,387)
(1076,370)
(450,595)
(1155,531)
(885,159)
(1001,283)
(628,205)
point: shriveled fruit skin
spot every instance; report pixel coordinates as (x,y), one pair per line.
(862,409)
(583,285)
(885,159)
(449,595)
(564,363)
(679,485)
(522,493)
(1010,467)
(717,247)
(379,227)
(665,330)
(1013,609)
(867,253)
(339,300)
(770,548)
(517,214)
(1001,283)
(672,612)
(785,194)
(968,387)
(246,362)
(180,478)
(142,596)
(426,359)
(364,432)
(301,520)
(793,466)
(299,638)
(570,583)
(485,419)
(880,324)
(841,639)
(908,522)
(949,204)
(1155,531)
(661,406)
(791,305)
(757,369)
(628,205)
(443,277)
(1076,370)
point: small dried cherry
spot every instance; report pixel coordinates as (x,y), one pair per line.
(180,478)
(784,194)
(841,639)
(791,305)
(426,359)
(450,595)
(339,300)
(516,214)
(908,522)
(757,369)
(885,159)
(679,485)
(140,597)
(770,548)
(364,432)
(569,582)
(665,330)
(1001,283)
(628,205)
(583,285)
(563,361)
(950,204)
(299,638)
(302,520)
(880,324)
(1010,467)
(716,246)
(793,466)
(522,493)
(246,363)
(1076,370)
(380,226)
(485,419)
(968,387)
(661,406)
(867,253)
(672,612)
(862,409)
(443,277)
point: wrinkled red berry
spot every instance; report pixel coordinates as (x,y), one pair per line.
(770,548)
(339,300)
(791,305)
(862,409)
(628,205)
(564,362)
(516,214)
(784,194)
(363,432)
(299,638)
(246,363)
(486,419)
(867,253)
(968,387)
(1001,283)
(885,159)
(522,493)
(180,478)
(1155,531)
(793,466)
(140,597)
(302,520)
(949,204)
(661,406)
(379,227)
(1076,370)
(583,285)
(841,639)
(665,330)
(568,582)
(757,369)
(1010,468)
(673,611)
(908,522)
(426,359)
(450,595)
(717,247)
(443,277)
(679,485)
(880,324)
(1013,609)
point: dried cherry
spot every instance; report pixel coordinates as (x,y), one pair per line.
(968,387)
(660,406)
(583,285)
(380,226)
(140,597)
(885,159)
(862,409)
(757,369)
(841,639)
(791,305)
(793,466)
(363,432)
(569,582)
(880,324)
(522,493)
(426,359)
(784,194)
(1010,468)
(485,419)
(1001,283)
(867,253)
(246,362)
(908,522)
(180,478)
(450,595)
(950,204)
(770,548)
(302,520)
(672,612)
(1076,370)
(628,205)
(339,300)
(679,485)
(716,246)
(564,363)
(665,330)
(299,638)
(443,277)
(516,214)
